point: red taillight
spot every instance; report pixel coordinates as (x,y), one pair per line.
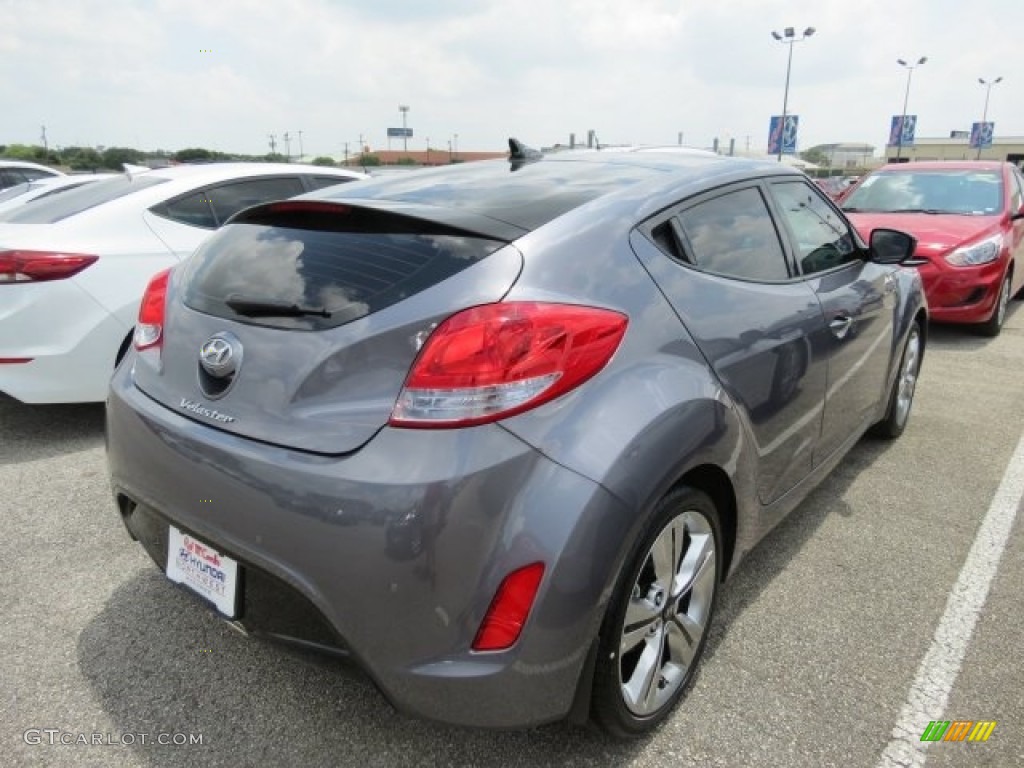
(39,266)
(493,361)
(149,329)
(511,605)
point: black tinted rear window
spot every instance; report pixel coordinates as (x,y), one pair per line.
(342,273)
(51,209)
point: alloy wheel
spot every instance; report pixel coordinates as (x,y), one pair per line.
(668,613)
(908,376)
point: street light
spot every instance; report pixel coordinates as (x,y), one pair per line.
(984,115)
(906,97)
(405,132)
(788,37)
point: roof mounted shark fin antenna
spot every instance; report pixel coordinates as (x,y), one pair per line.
(519,154)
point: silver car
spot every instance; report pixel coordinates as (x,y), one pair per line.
(498,432)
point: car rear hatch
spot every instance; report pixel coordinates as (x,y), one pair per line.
(317,310)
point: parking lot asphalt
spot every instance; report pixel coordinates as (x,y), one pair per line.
(817,643)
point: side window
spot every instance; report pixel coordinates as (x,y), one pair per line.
(229,199)
(31,174)
(1017,193)
(734,235)
(12,176)
(319,182)
(822,240)
(193,210)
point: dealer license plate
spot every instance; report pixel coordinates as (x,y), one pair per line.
(202,569)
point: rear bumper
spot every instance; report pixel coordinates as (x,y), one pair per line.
(71,340)
(391,554)
(962,294)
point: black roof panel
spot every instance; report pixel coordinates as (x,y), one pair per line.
(525,196)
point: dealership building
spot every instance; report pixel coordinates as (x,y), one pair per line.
(957,147)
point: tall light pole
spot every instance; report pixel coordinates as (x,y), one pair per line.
(302,153)
(405,131)
(906,97)
(984,115)
(788,38)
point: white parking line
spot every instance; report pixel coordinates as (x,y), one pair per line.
(929,692)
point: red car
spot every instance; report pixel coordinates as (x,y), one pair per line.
(968,218)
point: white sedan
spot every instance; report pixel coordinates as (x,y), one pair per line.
(73,267)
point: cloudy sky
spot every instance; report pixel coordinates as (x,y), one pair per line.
(224,74)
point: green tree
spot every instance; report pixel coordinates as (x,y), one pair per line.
(366,159)
(115,157)
(814,155)
(192,154)
(81,158)
(323,161)
(21,152)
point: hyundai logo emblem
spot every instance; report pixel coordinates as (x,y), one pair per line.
(219,359)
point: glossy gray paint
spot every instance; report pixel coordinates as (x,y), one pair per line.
(309,478)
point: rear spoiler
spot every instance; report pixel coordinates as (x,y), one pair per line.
(376,216)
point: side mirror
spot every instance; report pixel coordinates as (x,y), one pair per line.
(1018,215)
(890,246)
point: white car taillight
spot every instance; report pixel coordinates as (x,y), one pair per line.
(39,266)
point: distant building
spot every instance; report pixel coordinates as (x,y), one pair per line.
(957,147)
(418,157)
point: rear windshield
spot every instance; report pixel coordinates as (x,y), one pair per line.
(966,192)
(50,209)
(315,265)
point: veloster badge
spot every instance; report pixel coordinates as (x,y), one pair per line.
(200,410)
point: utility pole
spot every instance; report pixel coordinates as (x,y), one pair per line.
(46,146)
(346,153)
(302,154)
(273,143)
(287,147)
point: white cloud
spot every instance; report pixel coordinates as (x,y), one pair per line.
(136,73)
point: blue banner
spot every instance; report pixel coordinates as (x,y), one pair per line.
(901,130)
(784,136)
(981,135)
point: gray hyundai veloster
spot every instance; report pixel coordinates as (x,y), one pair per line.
(499,431)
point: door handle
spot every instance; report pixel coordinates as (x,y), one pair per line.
(840,326)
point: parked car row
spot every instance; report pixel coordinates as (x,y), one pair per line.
(531,412)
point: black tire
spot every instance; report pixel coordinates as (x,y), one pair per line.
(896,418)
(994,324)
(669,620)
